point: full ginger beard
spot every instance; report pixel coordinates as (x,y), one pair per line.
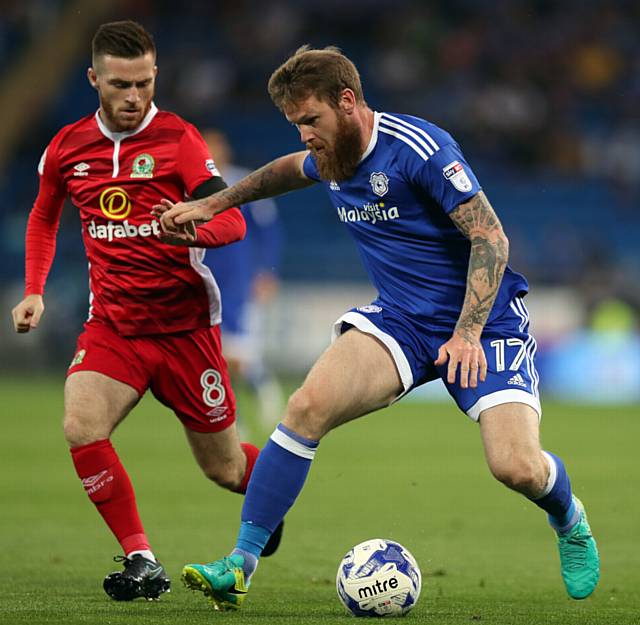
(121,124)
(339,161)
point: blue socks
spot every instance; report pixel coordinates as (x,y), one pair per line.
(557,499)
(277,479)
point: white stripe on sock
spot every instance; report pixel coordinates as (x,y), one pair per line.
(295,447)
(553,475)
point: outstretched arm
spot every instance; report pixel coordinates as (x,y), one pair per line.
(40,243)
(275,178)
(478,222)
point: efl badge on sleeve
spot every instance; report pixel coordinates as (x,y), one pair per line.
(379,183)
(456,175)
(143,165)
(211,167)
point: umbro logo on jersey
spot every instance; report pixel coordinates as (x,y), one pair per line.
(81,169)
(517,380)
(334,186)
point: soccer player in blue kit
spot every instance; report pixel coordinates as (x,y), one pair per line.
(448,306)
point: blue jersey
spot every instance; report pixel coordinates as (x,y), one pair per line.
(396,206)
(236,266)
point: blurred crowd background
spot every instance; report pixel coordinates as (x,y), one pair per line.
(542,95)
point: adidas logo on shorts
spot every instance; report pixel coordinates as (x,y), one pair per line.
(517,380)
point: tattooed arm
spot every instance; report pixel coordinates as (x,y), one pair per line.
(478,222)
(489,255)
(279,176)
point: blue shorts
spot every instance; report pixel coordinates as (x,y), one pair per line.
(509,348)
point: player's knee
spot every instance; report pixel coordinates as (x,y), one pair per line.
(307,415)
(520,474)
(78,431)
(225,474)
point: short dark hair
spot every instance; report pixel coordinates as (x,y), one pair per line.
(324,73)
(126,39)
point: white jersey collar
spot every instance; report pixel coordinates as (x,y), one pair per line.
(374,136)
(119,136)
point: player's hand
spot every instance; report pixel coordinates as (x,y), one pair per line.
(26,315)
(184,234)
(467,352)
(185,239)
(173,216)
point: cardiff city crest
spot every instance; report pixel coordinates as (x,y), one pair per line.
(379,183)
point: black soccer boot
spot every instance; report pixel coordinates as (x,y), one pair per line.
(274,541)
(140,578)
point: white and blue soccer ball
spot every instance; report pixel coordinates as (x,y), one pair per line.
(378,578)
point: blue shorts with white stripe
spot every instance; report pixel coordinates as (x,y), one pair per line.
(509,348)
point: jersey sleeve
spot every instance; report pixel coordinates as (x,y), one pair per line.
(42,226)
(226,227)
(310,168)
(194,161)
(448,178)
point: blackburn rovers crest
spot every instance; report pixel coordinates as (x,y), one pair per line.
(379,183)
(143,165)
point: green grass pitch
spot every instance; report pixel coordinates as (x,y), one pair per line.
(414,473)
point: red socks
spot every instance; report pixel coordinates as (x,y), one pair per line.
(109,488)
(251,452)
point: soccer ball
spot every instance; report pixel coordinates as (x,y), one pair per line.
(378,578)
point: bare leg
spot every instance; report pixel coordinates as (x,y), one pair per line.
(219,455)
(353,377)
(94,405)
(510,435)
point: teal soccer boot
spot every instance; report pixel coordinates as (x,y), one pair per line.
(222,581)
(579,559)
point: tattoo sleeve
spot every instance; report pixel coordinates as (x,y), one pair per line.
(478,222)
(280,176)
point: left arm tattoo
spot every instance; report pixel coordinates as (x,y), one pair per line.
(478,222)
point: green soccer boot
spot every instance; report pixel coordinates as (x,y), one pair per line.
(222,581)
(579,559)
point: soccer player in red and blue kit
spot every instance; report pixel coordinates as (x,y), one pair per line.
(154,306)
(448,307)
